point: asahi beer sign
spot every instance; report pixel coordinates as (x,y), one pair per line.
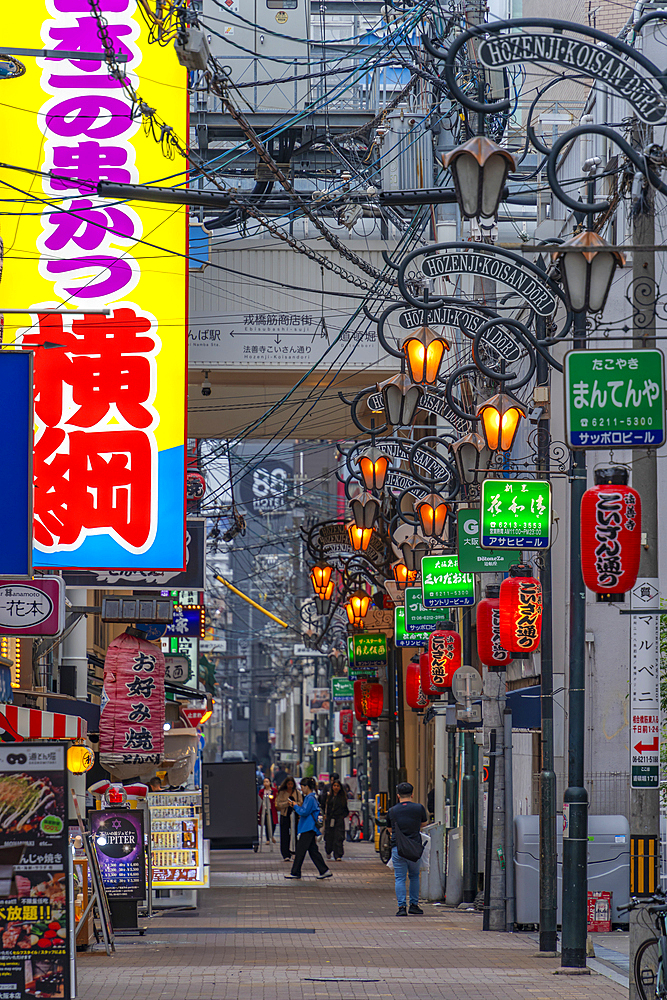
(583,57)
(497,267)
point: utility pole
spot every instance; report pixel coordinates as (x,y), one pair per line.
(645,802)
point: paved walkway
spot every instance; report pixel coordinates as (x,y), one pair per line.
(256,936)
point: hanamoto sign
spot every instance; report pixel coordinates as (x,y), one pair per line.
(401,635)
(417,617)
(587,58)
(36,607)
(16,500)
(472,557)
(444,585)
(645,685)
(615,398)
(109,469)
(515,514)
(497,338)
(489,263)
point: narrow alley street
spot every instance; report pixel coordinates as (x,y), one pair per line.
(257,936)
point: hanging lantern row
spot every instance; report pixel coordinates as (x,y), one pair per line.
(500,417)
(320,576)
(356,606)
(359,537)
(520,612)
(611,534)
(365,509)
(432,513)
(414,695)
(490,650)
(346,722)
(444,656)
(424,351)
(368,700)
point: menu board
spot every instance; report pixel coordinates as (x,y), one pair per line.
(34,924)
(119,842)
(177,847)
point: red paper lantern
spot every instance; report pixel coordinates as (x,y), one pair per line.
(346,724)
(490,650)
(610,538)
(444,655)
(368,700)
(520,612)
(414,695)
(425,677)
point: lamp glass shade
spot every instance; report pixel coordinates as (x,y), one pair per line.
(602,269)
(472,456)
(500,418)
(466,173)
(424,352)
(432,512)
(575,275)
(373,465)
(494,175)
(400,404)
(365,509)
(356,606)
(509,424)
(413,550)
(320,576)
(359,537)
(491,426)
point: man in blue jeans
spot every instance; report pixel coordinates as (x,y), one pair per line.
(409,817)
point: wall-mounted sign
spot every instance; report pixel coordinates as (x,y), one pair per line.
(119,841)
(182,654)
(342,689)
(499,339)
(645,685)
(178,670)
(444,585)
(190,621)
(472,557)
(515,514)
(401,635)
(417,617)
(110,390)
(369,653)
(614,399)
(36,607)
(586,58)
(496,265)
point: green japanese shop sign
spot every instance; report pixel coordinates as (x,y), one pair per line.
(472,557)
(515,514)
(401,635)
(342,689)
(369,653)
(444,585)
(614,398)
(417,617)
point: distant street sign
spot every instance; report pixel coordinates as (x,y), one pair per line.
(417,617)
(516,514)
(615,399)
(472,557)
(401,635)
(645,685)
(342,689)
(443,584)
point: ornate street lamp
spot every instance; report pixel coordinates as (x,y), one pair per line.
(365,509)
(401,398)
(373,465)
(500,418)
(472,456)
(414,549)
(323,600)
(588,274)
(320,575)
(479,169)
(356,606)
(432,513)
(424,351)
(359,537)
(402,575)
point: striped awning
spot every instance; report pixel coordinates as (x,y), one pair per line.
(32,724)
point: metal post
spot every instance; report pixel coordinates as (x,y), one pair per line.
(468,810)
(575,807)
(489,832)
(509,824)
(548,848)
(450,784)
(364,783)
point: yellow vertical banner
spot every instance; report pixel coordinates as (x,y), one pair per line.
(110,390)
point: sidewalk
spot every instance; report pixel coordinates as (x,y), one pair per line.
(257,936)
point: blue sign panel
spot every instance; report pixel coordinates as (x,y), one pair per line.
(16,462)
(188,621)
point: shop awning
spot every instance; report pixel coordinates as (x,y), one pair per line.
(32,724)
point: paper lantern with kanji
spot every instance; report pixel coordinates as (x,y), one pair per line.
(490,649)
(429,690)
(444,656)
(610,538)
(368,699)
(346,723)
(414,695)
(520,612)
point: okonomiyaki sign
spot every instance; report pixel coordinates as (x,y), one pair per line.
(582,57)
(486,264)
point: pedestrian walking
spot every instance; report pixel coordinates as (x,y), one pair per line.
(335,813)
(268,815)
(308,813)
(287,816)
(405,820)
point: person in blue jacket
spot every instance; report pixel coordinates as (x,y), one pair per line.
(307,831)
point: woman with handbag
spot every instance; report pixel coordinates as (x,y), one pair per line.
(287,791)
(308,830)
(405,820)
(335,811)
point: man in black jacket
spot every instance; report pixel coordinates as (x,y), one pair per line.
(407,817)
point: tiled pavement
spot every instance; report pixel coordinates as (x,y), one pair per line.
(256,936)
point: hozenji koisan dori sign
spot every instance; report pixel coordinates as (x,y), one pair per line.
(109,389)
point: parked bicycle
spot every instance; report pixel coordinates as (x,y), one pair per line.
(650,968)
